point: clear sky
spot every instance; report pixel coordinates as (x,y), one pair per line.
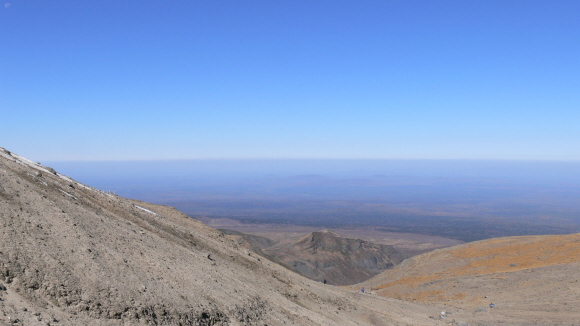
(364,79)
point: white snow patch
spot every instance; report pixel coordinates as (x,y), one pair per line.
(32,175)
(26,162)
(5,155)
(62,176)
(23,161)
(66,193)
(86,187)
(145,209)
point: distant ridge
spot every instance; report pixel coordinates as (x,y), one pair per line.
(325,255)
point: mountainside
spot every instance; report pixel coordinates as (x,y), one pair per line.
(73,255)
(249,241)
(527,278)
(327,256)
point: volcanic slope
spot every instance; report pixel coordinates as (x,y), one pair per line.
(73,255)
(531,280)
(325,255)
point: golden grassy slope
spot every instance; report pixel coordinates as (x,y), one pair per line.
(434,276)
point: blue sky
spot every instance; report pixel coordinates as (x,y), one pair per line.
(278,79)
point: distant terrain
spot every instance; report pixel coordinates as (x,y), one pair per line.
(71,254)
(464,200)
(325,256)
(409,244)
(340,256)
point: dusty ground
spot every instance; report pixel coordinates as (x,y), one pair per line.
(72,255)
(531,280)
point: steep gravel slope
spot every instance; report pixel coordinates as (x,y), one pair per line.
(73,255)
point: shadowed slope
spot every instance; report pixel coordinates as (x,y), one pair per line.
(341,261)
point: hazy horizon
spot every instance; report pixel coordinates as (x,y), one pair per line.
(463,200)
(524,169)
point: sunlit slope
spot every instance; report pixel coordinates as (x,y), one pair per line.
(533,276)
(73,255)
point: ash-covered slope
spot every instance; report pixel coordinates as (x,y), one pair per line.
(249,241)
(73,255)
(325,255)
(529,279)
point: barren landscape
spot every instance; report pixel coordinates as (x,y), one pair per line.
(71,254)
(338,256)
(325,256)
(529,279)
(283,162)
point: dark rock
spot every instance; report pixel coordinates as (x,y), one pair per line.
(51,170)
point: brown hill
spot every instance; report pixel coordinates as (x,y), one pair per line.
(326,255)
(73,255)
(528,279)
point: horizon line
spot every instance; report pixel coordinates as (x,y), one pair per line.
(317,159)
